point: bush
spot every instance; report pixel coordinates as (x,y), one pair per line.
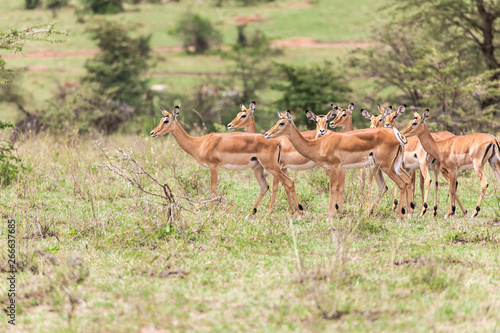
(32,4)
(117,69)
(197,32)
(311,87)
(10,164)
(55,4)
(104,6)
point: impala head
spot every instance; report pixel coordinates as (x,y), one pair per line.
(321,121)
(416,125)
(282,127)
(165,125)
(342,116)
(377,120)
(242,118)
(390,120)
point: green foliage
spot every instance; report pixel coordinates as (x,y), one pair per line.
(117,69)
(197,33)
(32,4)
(437,53)
(311,87)
(55,4)
(10,163)
(103,6)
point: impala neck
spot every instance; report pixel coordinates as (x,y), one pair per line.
(301,144)
(429,144)
(185,141)
(251,128)
(349,126)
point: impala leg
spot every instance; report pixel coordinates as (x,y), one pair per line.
(484,185)
(273,194)
(341,173)
(436,176)
(395,202)
(382,188)
(214,173)
(425,185)
(258,171)
(273,168)
(362,187)
(371,174)
(332,211)
(452,184)
(288,196)
(411,190)
(403,182)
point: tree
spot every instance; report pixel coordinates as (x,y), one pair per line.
(103,6)
(197,33)
(439,54)
(117,69)
(311,87)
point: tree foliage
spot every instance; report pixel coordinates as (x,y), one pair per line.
(197,33)
(441,54)
(118,67)
(103,6)
(311,87)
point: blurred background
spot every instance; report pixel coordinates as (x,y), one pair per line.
(106,66)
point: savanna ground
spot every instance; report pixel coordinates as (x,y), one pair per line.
(96,254)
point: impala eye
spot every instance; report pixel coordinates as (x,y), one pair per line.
(243,116)
(282,124)
(166,121)
(414,124)
(344,115)
(380,120)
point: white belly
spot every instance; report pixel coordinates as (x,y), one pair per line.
(359,165)
(413,165)
(466,167)
(237,167)
(306,166)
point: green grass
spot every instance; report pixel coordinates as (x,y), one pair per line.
(87,238)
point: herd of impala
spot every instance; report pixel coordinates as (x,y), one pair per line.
(380,148)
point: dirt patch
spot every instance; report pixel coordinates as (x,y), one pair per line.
(312,43)
(249,19)
(301,4)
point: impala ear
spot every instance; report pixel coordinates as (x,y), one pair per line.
(288,115)
(415,113)
(251,108)
(387,112)
(279,115)
(380,109)
(311,116)
(331,114)
(242,107)
(176,112)
(163,111)
(401,110)
(350,108)
(366,114)
(426,114)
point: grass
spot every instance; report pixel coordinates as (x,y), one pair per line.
(95,254)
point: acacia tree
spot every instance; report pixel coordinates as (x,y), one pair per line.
(440,54)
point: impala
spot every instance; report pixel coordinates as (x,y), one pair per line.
(344,119)
(350,150)
(415,157)
(290,158)
(232,151)
(461,152)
